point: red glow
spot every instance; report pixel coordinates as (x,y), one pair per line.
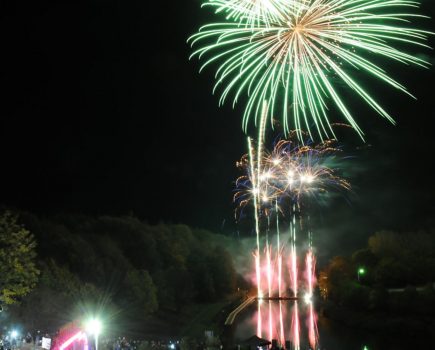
(312,327)
(310,272)
(269,270)
(295,328)
(79,336)
(281,325)
(270,321)
(258,273)
(259,321)
(310,275)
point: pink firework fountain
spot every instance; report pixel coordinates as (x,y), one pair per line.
(310,274)
(295,327)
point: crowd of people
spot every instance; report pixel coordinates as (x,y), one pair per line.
(123,343)
(15,341)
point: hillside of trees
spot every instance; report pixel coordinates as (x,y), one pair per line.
(395,291)
(128,268)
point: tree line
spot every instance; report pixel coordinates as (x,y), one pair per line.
(389,285)
(72,262)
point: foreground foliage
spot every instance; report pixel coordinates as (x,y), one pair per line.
(18,272)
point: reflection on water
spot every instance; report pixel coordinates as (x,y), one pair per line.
(296,326)
(288,324)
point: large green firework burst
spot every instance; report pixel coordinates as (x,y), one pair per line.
(288,63)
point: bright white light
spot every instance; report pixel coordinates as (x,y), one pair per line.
(14,334)
(265,199)
(276,161)
(255,191)
(93,327)
(265,176)
(291,173)
(308,298)
(306,178)
(172,346)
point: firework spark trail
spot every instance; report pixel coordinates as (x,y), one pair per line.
(310,272)
(294,270)
(279,273)
(279,250)
(261,135)
(295,60)
(310,262)
(270,320)
(313,334)
(259,320)
(295,327)
(258,273)
(258,182)
(294,267)
(257,221)
(269,269)
(281,324)
(270,274)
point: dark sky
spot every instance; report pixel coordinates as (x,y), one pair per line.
(102,113)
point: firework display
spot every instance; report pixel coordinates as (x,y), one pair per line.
(278,185)
(292,62)
(294,54)
(291,171)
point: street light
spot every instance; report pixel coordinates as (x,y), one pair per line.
(361,272)
(14,334)
(93,327)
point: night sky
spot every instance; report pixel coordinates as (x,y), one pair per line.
(102,113)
